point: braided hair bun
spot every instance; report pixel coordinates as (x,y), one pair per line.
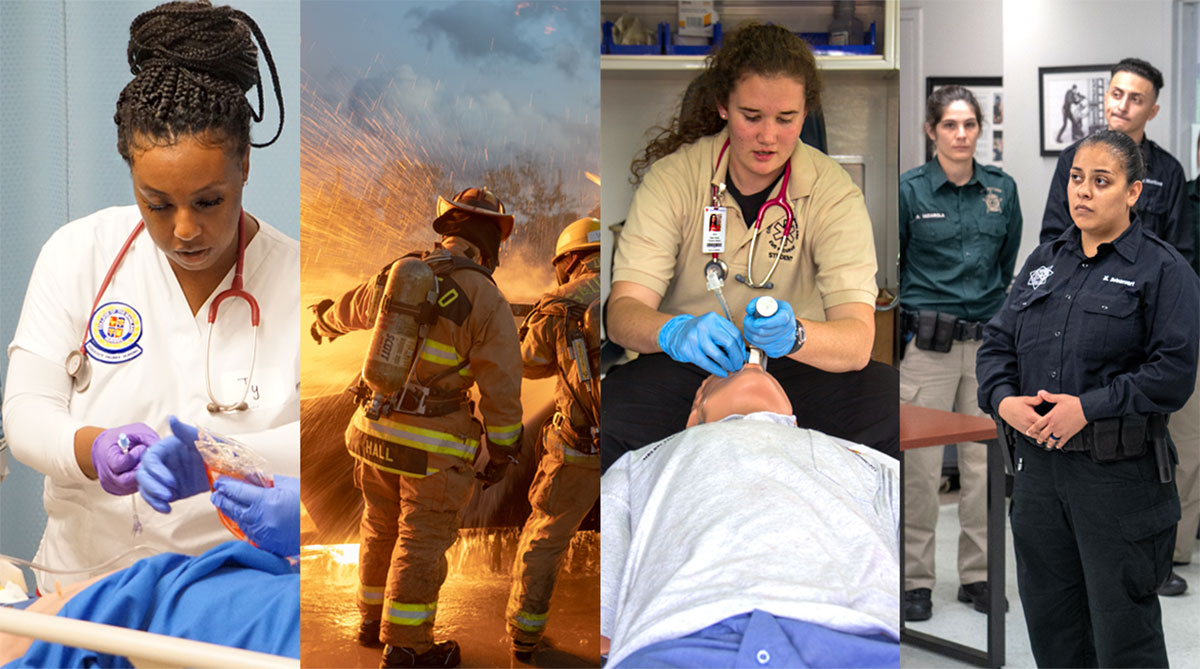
(193,65)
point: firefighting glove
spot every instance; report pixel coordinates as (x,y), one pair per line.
(495,469)
(319,327)
(709,341)
(775,334)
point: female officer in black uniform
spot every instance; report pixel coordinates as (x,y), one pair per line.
(1096,341)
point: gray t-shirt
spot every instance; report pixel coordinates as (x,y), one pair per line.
(748,513)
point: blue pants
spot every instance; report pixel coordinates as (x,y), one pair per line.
(759,639)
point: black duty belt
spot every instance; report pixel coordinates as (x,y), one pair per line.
(1112,439)
(962,329)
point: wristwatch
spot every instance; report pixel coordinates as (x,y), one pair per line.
(800,336)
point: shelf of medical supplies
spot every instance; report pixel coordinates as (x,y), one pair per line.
(616,63)
(734,12)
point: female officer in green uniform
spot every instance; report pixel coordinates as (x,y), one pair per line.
(960,226)
(1096,342)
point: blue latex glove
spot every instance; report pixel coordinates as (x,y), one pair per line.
(709,341)
(115,468)
(172,469)
(270,517)
(776,334)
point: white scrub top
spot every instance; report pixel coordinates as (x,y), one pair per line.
(158,370)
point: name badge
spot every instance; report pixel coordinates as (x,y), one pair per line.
(714,229)
(268,387)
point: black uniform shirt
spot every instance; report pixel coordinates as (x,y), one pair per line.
(1118,330)
(1160,206)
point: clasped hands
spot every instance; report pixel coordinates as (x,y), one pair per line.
(713,343)
(1052,430)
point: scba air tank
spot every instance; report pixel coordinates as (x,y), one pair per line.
(398,325)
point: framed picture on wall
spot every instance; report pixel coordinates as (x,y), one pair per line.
(1071,104)
(989,91)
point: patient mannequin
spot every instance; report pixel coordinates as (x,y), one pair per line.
(746,391)
(703,531)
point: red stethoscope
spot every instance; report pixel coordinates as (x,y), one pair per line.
(789,218)
(80,368)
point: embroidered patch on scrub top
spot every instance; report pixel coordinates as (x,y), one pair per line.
(1038,276)
(114,333)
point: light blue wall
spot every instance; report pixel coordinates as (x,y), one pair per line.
(62,64)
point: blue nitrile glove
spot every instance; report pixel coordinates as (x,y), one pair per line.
(115,468)
(775,334)
(709,341)
(270,517)
(172,469)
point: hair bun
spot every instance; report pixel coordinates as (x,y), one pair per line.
(195,36)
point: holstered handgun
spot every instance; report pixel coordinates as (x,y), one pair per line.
(1164,460)
(1008,443)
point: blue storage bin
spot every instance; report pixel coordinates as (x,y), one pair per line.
(608,47)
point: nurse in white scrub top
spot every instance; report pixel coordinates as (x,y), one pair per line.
(183,127)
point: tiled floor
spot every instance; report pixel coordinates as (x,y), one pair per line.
(961,623)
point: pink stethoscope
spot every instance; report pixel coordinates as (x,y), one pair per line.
(80,369)
(780,200)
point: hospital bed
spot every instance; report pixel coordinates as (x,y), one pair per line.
(144,649)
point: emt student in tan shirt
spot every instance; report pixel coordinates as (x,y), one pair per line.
(735,148)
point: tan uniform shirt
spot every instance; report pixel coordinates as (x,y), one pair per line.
(828,256)
(484,335)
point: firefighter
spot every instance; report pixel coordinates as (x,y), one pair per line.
(414,440)
(560,337)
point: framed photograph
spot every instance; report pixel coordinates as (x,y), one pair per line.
(1071,103)
(989,91)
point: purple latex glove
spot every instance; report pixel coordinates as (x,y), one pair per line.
(116,469)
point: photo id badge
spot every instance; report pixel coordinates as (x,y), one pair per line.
(714,229)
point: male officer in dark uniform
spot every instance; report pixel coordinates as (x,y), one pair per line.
(1130,103)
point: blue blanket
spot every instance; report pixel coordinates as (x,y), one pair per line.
(233,595)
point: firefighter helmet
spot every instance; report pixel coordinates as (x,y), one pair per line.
(582,235)
(480,201)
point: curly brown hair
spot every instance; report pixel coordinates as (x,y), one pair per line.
(754,48)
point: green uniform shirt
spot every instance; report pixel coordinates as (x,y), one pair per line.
(958,244)
(1192,210)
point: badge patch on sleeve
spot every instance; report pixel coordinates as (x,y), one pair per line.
(1038,276)
(114,332)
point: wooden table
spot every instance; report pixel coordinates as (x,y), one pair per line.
(921,427)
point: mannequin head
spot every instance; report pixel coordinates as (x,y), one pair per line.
(745,391)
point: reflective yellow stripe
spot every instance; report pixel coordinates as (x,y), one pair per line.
(572,455)
(529,622)
(369,594)
(410,614)
(416,437)
(443,354)
(505,435)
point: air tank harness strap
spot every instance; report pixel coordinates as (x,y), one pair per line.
(583,438)
(429,400)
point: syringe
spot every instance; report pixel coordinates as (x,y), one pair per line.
(123,442)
